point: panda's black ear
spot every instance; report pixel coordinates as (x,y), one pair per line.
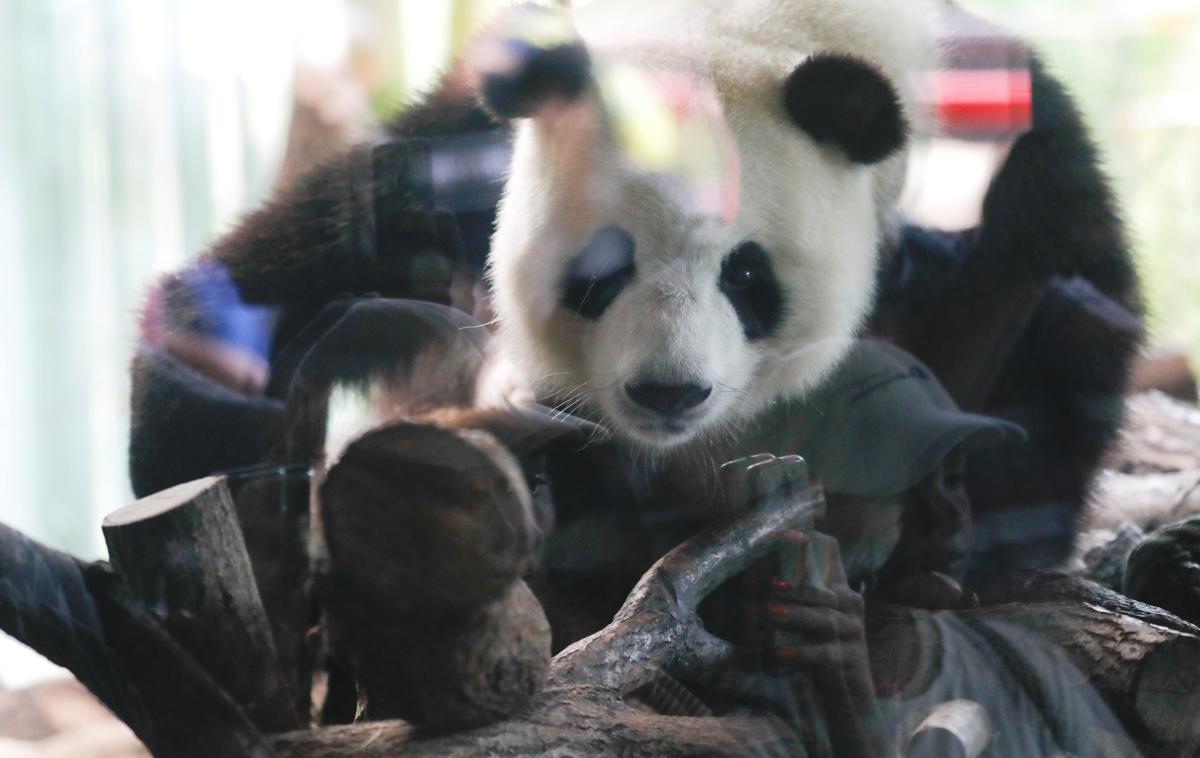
(532,76)
(848,102)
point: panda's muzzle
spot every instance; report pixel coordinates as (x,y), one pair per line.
(667,399)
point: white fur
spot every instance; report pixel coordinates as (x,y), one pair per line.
(818,215)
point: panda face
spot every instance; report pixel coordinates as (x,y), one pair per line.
(666,336)
(622,298)
(666,324)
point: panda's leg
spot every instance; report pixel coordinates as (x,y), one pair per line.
(964,301)
(185,426)
(356,224)
(1034,316)
(1050,208)
(1067,376)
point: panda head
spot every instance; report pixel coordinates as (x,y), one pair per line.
(622,298)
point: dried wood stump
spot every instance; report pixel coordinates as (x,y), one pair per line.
(180,555)
(428,532)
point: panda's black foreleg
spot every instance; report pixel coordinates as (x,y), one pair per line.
(962,302)
(185,426)
(1034,316)
(1049,210)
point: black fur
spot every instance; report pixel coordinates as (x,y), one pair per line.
(749,282)
(1034,316)
(599,273)
(847,102)
(186,426)
(541,75)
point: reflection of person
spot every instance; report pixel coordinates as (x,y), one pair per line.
(886,442)
(888,445)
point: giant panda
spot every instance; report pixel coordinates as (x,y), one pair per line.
(694,325)
(685,339)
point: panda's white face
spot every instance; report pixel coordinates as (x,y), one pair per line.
(622,302)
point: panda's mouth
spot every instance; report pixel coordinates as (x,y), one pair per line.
(660,430)
(661,434)
(672,428)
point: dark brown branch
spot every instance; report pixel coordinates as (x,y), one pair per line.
(658,628)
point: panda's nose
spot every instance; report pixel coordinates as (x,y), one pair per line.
(667,399)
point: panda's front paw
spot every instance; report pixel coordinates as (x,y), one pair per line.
(762,478)
(534,58)
(1164,570)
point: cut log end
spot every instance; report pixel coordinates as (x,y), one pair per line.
(1167,691)
(155,505)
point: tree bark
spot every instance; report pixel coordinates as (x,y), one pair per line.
(272,507)
(1144,661)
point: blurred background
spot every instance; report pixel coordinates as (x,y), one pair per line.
(132,133)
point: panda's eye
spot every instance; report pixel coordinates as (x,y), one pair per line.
(749,283)
(739,275)
(599,273)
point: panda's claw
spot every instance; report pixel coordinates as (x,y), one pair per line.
(738,478)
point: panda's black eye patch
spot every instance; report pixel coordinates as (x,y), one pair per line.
(749,282)
(599,273)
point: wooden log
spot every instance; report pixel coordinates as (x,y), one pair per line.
(421,524)
(421,516)
(582,726)
(1054,587)
(1144,661)
(181,557)
(1100,554)
(1160,434)
(450,672)
(188,714)
(46,603)
(75,615)
(428,532)
(1164,570)
(1148,500)
(1167,371)
(1148,674)
(272,508)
